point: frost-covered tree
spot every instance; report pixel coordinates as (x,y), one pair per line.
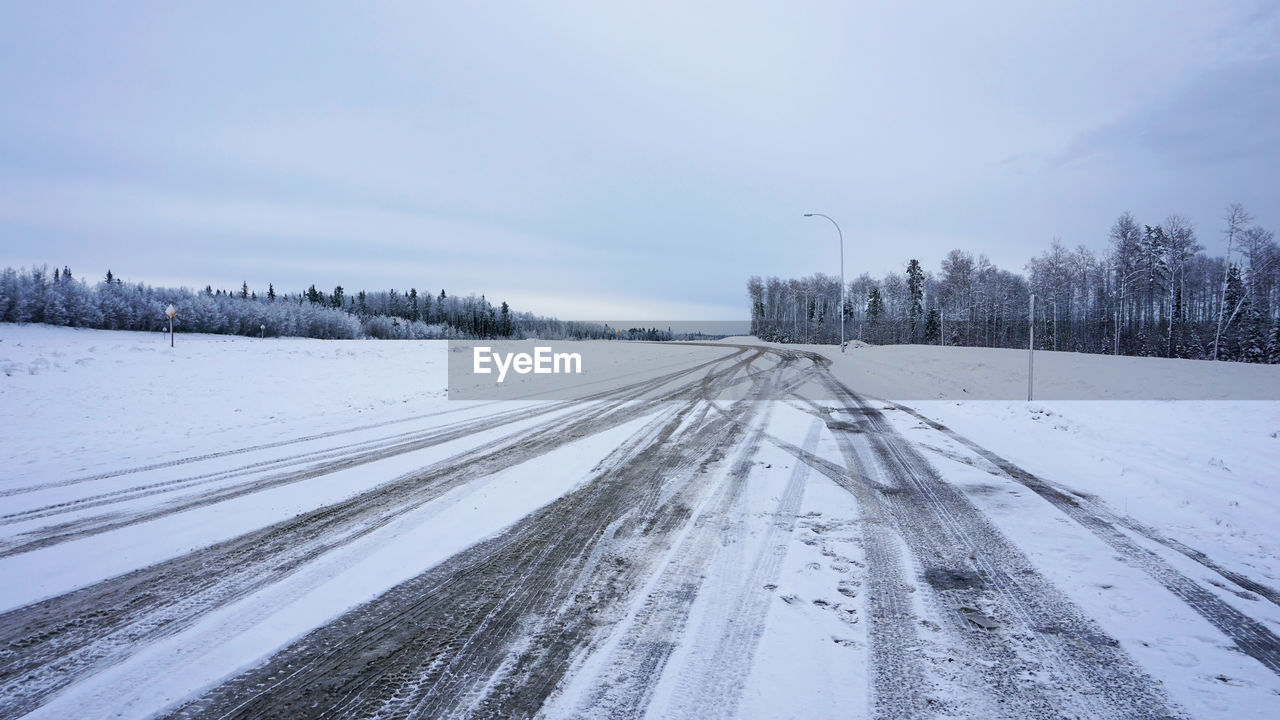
(875,310)
(915,297)
(932,326)
(33,296)
(1273,344)
(1154,292)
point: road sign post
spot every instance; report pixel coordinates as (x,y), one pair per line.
(169,312)
(1031,346)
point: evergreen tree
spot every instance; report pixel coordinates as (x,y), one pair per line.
(1235,304)
(1273,344)
(1254,348)
(932,326)
(271,292)
(244,290)
(1195,346)
(875,308)
(337,297)
(915,296)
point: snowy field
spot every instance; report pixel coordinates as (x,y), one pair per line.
(288,527)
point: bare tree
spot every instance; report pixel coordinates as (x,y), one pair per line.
(1237,217)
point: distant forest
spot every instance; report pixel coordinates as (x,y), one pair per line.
(59,298)
(1152,293)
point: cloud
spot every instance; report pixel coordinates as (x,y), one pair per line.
(584,150)
(87,206)
(1223,117)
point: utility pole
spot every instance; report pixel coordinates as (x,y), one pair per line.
(1031,347)
(1055,325)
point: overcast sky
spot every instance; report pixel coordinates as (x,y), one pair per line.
(588,160)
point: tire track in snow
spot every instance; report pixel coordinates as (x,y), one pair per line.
(898,677)
(714,677)
(49,644)
(431,646)
(899,688)
(1048,658)
(493,631)
(7,492)
(84,527)
(1250,636)
(328,453)
(638,656)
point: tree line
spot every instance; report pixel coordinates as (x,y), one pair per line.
(1152,292)
(60,298)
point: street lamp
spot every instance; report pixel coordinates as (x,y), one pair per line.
(841,235)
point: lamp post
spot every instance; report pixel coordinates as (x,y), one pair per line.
(841,236)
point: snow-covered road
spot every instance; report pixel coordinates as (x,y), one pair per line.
(728,530)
